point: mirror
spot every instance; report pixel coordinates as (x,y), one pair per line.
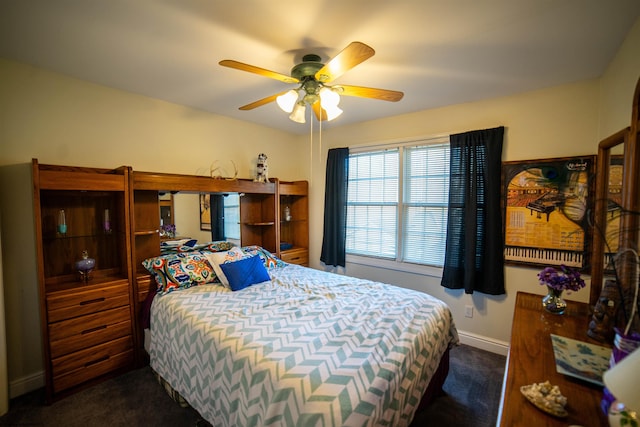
(191,214)
(614,210)
(607,210)
(166,208)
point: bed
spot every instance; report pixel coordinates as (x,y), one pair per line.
(303,347)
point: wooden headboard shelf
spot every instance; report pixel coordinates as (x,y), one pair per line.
(194,183)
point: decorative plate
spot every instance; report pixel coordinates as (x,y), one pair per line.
(580,359)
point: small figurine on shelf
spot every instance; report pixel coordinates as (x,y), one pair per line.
(85,266)
(262,171)
(287,213)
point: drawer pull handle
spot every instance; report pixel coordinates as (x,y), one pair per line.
(92,301)
(97,328)
(295,258)
(93,362)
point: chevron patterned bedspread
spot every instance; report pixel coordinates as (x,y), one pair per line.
(308,348)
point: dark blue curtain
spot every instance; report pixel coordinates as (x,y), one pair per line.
(335,207)
(474,259)
(216,212)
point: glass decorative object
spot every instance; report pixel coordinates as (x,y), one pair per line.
(553,301)
(558,280)
(107,222)
(85,266)
(287,213)
(62,222)
(624,344)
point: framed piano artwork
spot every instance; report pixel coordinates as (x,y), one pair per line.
(547,205)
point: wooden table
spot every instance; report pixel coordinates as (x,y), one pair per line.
(531,360)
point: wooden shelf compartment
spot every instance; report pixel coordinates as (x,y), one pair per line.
(85,216)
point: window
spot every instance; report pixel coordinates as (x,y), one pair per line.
(232,216)
(397,202)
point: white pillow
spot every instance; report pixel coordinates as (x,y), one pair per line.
(217,258)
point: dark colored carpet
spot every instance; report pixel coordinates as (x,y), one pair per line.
(136,399)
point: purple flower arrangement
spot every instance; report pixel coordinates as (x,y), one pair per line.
(562,279)
(169,230)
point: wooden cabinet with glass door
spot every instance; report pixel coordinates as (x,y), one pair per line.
(294,222)
(85,300)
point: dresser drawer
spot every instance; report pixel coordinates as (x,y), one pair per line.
(86,331)
(93,368)
(67,305)
(295,256)
(85,358)
(145,285)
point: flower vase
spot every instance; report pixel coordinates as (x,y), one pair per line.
(553,301)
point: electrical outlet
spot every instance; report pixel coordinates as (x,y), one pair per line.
(468,311)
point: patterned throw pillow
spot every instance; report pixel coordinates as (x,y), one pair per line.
(180,270)
(218,258)
(268,259)
(217,246)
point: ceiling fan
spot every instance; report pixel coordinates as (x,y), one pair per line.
(313,78)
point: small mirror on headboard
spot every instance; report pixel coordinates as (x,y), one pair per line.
(203,216)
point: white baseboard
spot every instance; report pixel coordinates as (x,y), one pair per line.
(484,343)
(26,384)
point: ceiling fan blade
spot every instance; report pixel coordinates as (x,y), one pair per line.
(257,70)
(369,92)
(261,102)
(348,58)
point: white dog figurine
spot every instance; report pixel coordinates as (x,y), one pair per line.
(262,170)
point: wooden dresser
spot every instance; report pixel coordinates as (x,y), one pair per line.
(531,360)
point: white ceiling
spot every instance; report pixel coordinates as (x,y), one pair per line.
(438,52)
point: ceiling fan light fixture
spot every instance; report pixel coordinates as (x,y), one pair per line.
(287,100)
(297,115)
(328,97)
(332,111)
(315,84)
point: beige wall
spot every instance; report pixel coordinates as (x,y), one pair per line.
(555,122)
(61,120)
(4,379)
(618,84)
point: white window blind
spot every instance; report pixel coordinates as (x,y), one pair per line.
(397,203)
(232,216)
(372,203)
(426,194)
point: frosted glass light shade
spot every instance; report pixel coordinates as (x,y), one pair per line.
(622,380)
(332,111)
(328,98)
(298,113)
(287,100)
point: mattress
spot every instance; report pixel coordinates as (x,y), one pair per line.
(305,348)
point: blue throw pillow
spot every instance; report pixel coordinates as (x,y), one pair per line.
(245,272)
